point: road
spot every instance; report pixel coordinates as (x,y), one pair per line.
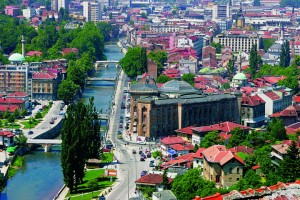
(130,166)
(45,125)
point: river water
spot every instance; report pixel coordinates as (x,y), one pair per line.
(41,178)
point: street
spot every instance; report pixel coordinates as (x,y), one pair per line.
(130,166)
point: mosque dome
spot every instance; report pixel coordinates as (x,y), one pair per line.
(240,76)
(16,57)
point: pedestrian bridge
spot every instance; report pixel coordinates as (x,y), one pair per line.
(46,143)
(103,116)
(106,63)
(100,79)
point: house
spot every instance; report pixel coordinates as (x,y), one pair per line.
(182,149)
(222,166)
(223,128)
(289,116)
(67,51)
(252,111)
(185,133)
(183,162)
(13,102)
(166,142)
(164,194)
(21,96)
(151,180)
(6,138)
(279,151)
(198,158)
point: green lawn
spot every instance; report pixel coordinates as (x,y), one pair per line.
(106,157)
(103,182)
(5,124)
(28,126)
(242,155)
(87,196)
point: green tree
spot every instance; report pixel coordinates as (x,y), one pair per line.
(230,68)
(21,140)
(285,57)
(255,60)
(105,29)
(6,114)
(165,181)
(80,141)
(218,47)
(163,79)
(276,130)
(225,86)
(210,139)
(237,137)
(289,167)
(38,115)
(133,63)
(16,114)
(262,158)
(174,12)
(159,57)
(189,78)
(11,118)
(144,15)
(92,185)
(290,82)
(67,91)
(191,184)
(268,42)
(196,147)
(250,180)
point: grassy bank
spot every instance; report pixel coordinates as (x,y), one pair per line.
(15,166)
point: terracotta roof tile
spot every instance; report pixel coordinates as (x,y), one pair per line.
(172,140)
(199,154)
(151,179)
(11,101)
(272,95)
(187,130)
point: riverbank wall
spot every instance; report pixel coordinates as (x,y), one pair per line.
(53,132)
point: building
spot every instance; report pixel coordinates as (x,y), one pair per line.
(238,40)
(164,194)
(92,11)
(222,166)
(29,12)
(45,85)
(14,77)
(220,12)
(239,80)
(12,11)
(158,112)
(13,102)
(151,180)
(54,5)
(21,96)
(209,58)
(272,57)
(6,138)
(252,111)
(62,4)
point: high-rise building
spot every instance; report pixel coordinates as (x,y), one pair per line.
(57,4)
(92,11)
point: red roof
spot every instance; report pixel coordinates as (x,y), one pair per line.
(66,51)
(296,99)
(180,147)
(17,94)
(34,53)
(243,149)
(6,134)
(199,154)
(226,127)
(11,101)
(9,108)
(272,95)
(219,154)
(187,130)
(172,140)
(151,179)
(252,100)
(44,75)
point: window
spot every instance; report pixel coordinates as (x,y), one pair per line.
(230,170)
(237,170)
(237,179)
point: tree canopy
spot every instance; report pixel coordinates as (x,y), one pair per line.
(189,78)
(163,79)
(218,47)
(285,57)
(211,138)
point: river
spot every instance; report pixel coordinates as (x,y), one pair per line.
(41,174)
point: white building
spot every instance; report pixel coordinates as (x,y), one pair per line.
(29,13)
(92,11)
(62,4)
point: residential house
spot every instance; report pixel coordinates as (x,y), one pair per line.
(272,56)
(21,96)
(182,149)
(180,164)
(67,51)
(151,180)
(222,166)
(13,11)
(12,102)
(223,129)
(279,151)
(289,115)
(209,57)
(164,194)
(198,158)
(252,111)
(166,142)
(185,133)
(6,138)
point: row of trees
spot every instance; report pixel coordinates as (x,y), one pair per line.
(80,141)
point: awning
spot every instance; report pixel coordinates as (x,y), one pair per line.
(172,152)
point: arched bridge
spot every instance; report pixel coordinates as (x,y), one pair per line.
(106,63)
(46,143)
(100,79)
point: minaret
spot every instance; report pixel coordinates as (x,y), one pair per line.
(239,61)
(23,43)
(281,32)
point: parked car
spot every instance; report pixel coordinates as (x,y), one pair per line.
(121,126)
(51,121)
(133,151)
(151,164)
(105,150)
(148,155)
(30,132)
(142,159)
(140,152)
(120,136)
(143,173)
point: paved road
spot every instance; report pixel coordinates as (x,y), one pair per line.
(130,165)
(45,124)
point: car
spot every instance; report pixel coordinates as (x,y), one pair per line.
(151,161)
(120,136)
(143,173)
(105,150)
(148,155)
(133,151)
(51,121)
(151,164)
(121,126)
(30,132)
(140,152)
(54,118)
(142,159)
(121,117)
(119,132)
